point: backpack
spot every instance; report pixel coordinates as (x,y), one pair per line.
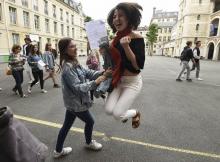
(183,54)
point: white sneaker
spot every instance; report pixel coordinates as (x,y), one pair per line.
(94,145)
(37,82)
(30,81)
(29,89)
(0,89)
(64,152)
(199,79)
(43,91)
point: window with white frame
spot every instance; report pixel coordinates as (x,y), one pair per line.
(36,22)
(47,25)
(13,15)
(35,5)
(62,30)
(15,38)
(54,11)
(26,18)
(61,14)
(46,7)
(72,19)
(73,33)
(24,3)
(67,17)
(55,27)
(68,31)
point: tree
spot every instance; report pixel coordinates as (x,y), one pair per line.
(152,37)
(88,18)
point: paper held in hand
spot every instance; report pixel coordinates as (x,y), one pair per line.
(41,65)
(97,33)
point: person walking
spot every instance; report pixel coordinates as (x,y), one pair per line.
(49,60)
(16,62)
(34,58)
(128,54)
(186,56)
(75,88)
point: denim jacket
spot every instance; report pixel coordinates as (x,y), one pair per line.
(48,59)
(75,86)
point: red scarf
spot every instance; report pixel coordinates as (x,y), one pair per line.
(116,57)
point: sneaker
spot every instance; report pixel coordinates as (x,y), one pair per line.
(30,81)
(29,89)
(15,91)
(0,89)
(199,79)
(189,80)
(24,96)
(178,80)
(43,91)
(94,145)
(64,152)
(56,86)
(37,82)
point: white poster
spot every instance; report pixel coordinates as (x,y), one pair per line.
(96,33)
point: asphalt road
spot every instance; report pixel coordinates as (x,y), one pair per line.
(180,121)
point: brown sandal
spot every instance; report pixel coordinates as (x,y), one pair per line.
(136,120)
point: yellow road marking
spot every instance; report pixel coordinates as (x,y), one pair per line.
(99,134)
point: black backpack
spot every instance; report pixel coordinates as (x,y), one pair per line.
(183,54)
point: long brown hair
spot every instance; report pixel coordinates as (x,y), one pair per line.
(63,46)
(32,49)
(46,46)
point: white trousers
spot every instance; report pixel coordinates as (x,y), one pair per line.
(120,100)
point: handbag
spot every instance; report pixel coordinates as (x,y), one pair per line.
(8,71)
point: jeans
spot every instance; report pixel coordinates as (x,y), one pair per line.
(197,67)
(70,117)
(38,75)
(18,76)
(185,67)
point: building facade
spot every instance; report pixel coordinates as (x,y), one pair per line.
(165,22)
(41,20)
(199,20)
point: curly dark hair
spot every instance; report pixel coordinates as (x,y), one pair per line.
(15,47)
(132,12)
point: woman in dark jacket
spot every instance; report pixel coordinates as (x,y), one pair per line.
(75,88)
(34,58)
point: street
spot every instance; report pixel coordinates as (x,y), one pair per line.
(179,121)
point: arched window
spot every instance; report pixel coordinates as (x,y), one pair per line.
(197,27)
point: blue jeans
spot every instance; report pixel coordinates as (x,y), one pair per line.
(18,76)
(70,117)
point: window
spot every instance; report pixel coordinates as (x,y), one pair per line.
(67,17)
(54,11)
(15,38)
(165,30)
(24,3)
(196,39)
(0,12)
(68,31)
(73,33)
(169,38)
(197,27)
(62,30)
(198,17)
(35,4)
(47,26)
(48,40)
(61,14)
(170,30)
(72,19)
(164,39)
(160,39)
(81,33)
(55,27)
(200,1)
(46,7)
(36,22)
(26,18)
(13,15)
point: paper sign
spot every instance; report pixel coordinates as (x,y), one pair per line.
(41,64)
(96,33)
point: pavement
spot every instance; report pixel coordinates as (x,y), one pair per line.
(180,121)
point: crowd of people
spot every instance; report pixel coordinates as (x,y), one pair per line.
(35,63)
